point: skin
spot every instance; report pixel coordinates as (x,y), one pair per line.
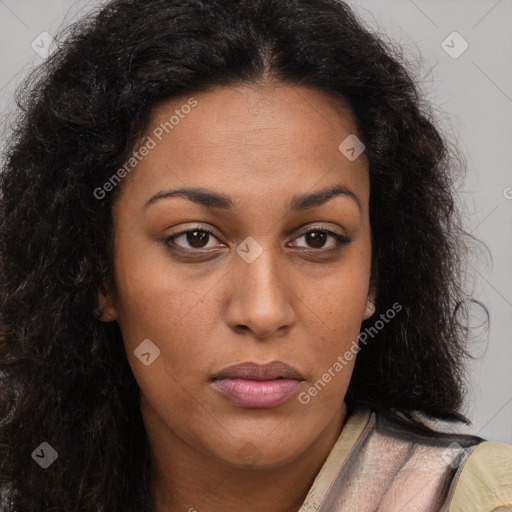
(297,302)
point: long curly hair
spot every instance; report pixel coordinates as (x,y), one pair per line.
(65,378)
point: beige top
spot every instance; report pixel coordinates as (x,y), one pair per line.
(379,464)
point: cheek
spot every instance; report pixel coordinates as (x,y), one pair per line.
(153,304)
(332,313)
(159,310)
(339,297)
(153,296)
(332,349)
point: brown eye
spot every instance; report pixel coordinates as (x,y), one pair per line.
(316,239)
(195,238)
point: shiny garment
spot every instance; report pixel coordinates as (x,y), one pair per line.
(381,464)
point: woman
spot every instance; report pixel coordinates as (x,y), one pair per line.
(230,273)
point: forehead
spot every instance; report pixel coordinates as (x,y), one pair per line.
(250,138)
(265,116)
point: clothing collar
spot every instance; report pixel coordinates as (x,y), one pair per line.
(359,419)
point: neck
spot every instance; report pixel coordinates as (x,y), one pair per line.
(183,479)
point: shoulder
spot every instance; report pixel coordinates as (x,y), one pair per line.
(483,482)
(477,472)
(382,462)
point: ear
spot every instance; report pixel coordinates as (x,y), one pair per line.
(105,312)
(372,289)
(370,303)
(370,308)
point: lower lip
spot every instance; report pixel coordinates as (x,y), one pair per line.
(257,393)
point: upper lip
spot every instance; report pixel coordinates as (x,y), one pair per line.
(255,371)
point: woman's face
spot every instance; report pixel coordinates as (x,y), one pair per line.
(258,288)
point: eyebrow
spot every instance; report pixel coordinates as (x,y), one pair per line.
(211,199)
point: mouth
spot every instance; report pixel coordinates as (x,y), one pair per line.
(257,386)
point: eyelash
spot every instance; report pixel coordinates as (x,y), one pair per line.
(341,240)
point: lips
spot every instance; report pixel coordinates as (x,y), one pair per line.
(257,386)
(254,371)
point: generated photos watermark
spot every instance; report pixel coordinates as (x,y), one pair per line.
(151,142)
(362,339)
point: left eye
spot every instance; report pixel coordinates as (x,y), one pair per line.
(319,236)
(197,238)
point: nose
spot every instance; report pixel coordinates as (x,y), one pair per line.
(261,296)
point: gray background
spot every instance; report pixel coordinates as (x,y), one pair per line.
(472,95)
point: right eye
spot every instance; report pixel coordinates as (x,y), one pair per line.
(196,238)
